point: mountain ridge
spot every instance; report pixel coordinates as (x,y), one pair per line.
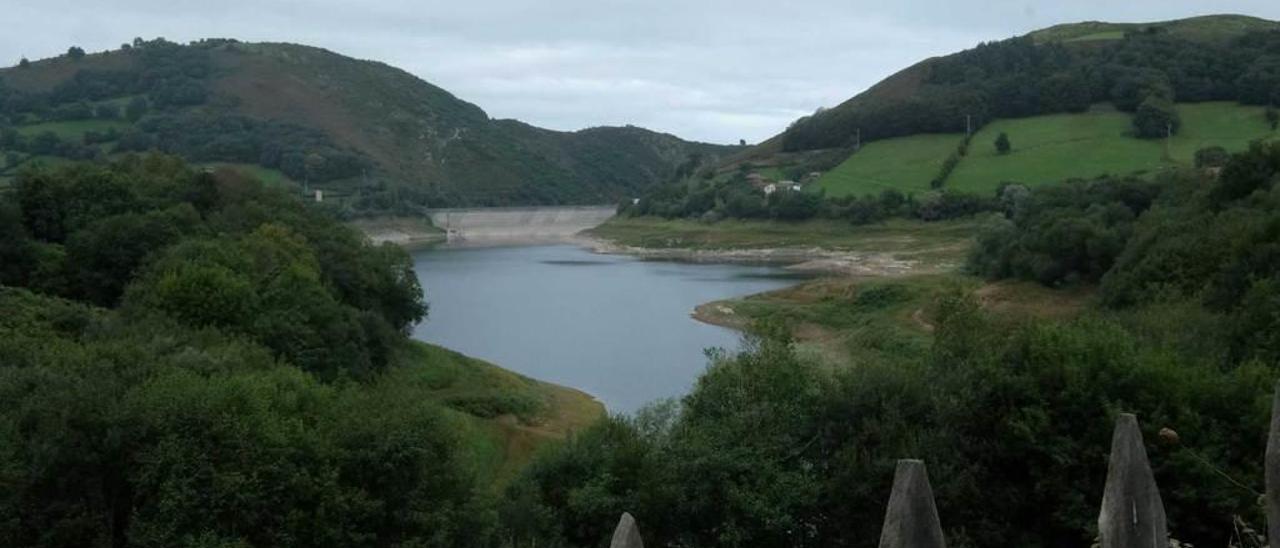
(417,141)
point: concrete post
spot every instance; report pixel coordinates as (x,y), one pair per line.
(911,520)
(1132,513)
(626,535)
(1273,473)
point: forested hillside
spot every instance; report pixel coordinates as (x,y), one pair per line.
(193,358)
(376,138)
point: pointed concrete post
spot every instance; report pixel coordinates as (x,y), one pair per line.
(911,520)
(1273,473)
(626,535)
(1132,514)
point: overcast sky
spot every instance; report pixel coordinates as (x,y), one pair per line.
(713,70)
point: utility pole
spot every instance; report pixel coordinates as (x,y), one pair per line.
(1168,139)
(968,125)
(857,144)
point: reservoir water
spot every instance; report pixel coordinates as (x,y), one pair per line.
(613,326)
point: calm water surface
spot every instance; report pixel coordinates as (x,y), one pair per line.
(615,327)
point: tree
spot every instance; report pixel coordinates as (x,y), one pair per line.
(1273,117)
(103,256)
(24,63)
(1003,146)
(45,143)
(1134,86)
(1214,156)
(313,164)
(75,53)
(135,109)
(106,111)
(1156,118)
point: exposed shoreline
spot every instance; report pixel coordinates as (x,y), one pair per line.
(811,260)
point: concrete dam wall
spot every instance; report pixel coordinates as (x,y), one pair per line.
(518,224)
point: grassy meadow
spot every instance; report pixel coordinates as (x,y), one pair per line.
(1045,149)
(905,163)
(1056,147)
(71,130)
(267,175)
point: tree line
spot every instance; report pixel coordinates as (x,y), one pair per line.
(711,200)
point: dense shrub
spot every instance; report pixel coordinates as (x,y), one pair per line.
(1064,233)
(1212,157)
(219,250)
(119,434)
(1014,421)
(201,411)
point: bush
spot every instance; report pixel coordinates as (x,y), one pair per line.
(1003,146)
(1212,157)
(1015,421)
(1064,233)
(201,412)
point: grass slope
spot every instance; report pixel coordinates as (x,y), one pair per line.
(907,164)
(845,322)
(273,177)
(1045,149)
(1063,146)
(502,417)
(1204,28)
(73,130)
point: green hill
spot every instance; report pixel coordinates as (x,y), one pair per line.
(1077,101)
(1209,28)
(373,136)
(1069,96)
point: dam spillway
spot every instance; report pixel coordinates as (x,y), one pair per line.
(518,224)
